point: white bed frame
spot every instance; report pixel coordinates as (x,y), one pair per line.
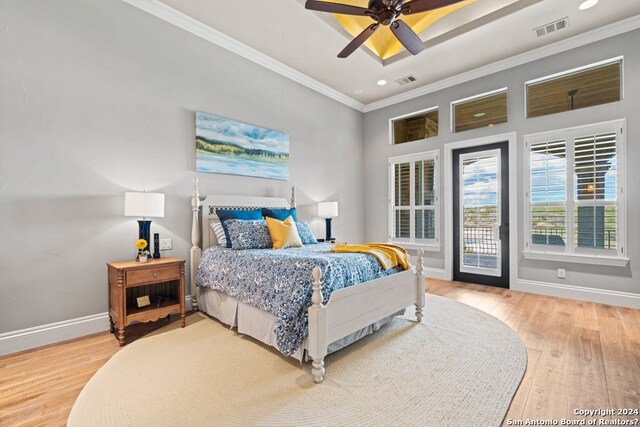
(347,311)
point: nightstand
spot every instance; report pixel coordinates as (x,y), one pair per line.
(162,280)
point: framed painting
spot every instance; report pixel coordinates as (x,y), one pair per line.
(229,147)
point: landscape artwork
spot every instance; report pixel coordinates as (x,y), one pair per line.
(229,147)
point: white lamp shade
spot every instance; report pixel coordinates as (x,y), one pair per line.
(144,205)
(328,209)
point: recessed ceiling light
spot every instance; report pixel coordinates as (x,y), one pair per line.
(358,91)
(382,82)
(478,115)
(586,4)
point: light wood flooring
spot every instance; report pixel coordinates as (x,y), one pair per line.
(581,355)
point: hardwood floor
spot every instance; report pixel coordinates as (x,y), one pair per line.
(581,355)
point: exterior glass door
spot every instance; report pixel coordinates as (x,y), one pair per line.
(481,214)
(479,200)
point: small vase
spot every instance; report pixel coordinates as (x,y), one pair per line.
(142,258)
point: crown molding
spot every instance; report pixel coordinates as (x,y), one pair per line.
(168,14)
(611,30)
(197,28)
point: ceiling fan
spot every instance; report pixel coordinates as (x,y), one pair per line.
(384,12)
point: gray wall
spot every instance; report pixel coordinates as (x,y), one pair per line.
(378,150)
(98,98)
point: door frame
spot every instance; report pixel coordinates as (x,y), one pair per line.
(511,138)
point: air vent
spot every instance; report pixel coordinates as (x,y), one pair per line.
(406,80)
(551,27)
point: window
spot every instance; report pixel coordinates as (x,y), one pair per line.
(574,197)
(414,126)
(413,201)
(578,88)
(479,111)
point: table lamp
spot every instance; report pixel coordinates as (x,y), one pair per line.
(328,210)
(144,205)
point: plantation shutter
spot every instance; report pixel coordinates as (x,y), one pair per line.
(424,171)
(402,184)
(413,203)
(548,192)
(595,171)
(575,203)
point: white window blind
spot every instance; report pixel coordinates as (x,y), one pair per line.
(402,200)
(595,169)
(414,197)
(575,201)
(548,192)
(425,192)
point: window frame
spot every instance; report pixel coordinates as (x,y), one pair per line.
(575,70)
(409,115)
(412,242)
(569,252)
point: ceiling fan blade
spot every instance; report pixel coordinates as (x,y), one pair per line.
(419,6)
(407,37)
(344,9)
(357,42)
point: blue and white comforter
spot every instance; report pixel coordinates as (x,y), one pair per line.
(279,281)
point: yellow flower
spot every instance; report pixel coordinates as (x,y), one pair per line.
(141,244)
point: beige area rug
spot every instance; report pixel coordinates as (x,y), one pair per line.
(459,367)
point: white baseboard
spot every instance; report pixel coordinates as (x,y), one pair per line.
(25,339)
(603,296)
(38,336)
(435,273)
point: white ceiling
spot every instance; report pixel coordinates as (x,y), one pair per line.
(491,30)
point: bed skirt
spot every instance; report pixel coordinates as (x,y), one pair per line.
(260,325)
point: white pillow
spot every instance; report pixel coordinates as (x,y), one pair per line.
(219,232)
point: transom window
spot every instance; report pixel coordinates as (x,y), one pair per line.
(582,87)
(487,109)
(414,127)
(413,201)
(575,201)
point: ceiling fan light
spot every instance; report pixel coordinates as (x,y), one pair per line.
(586,4)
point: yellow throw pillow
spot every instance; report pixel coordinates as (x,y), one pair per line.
(284,234)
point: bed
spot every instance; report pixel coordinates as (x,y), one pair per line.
(328,324)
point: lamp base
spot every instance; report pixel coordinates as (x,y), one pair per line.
(144,231)
(328,228)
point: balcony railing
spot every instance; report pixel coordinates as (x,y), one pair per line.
(604,239)
(479,240)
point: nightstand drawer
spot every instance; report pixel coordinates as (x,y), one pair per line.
(150,275)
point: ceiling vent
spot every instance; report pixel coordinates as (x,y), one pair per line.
(551,27)
(406,80)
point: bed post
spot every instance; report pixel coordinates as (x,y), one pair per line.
(293,197)
(195,252)
(317,328)
(420,298)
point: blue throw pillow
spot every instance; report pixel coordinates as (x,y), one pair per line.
(280,214)
(249,234)
(227,214)
(306,236)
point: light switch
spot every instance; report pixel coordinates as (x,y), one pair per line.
(165,244)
